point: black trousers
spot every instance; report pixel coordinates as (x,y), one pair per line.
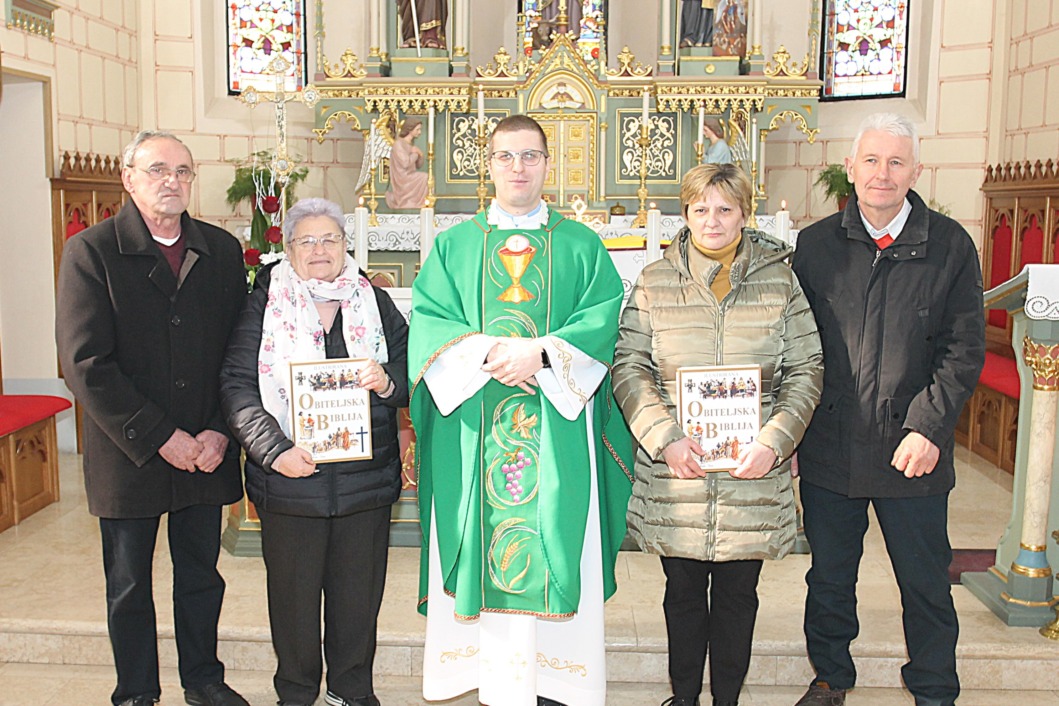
(344,559)
(717,619)
(198,589)
(917,540)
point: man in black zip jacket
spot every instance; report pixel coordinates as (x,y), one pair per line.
(896,289)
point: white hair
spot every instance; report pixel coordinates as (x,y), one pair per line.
(310,208)
(129,153)
(891,123)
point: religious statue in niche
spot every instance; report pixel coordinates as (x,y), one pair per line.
(408,185)
(696,23)
(729,34)
(585,23)
(423,23)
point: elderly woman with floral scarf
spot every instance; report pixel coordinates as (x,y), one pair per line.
(324,526)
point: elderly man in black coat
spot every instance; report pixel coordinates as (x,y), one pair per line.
(146,300)
(896,289)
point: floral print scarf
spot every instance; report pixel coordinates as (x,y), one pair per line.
(292,331)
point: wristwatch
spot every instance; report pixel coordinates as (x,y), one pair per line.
(545,363)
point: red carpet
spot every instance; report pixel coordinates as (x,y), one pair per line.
(969,560)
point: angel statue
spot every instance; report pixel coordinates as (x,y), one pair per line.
(408,185)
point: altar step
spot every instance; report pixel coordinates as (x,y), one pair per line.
(52,606)
(991,656)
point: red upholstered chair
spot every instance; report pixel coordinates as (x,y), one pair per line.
(29,461)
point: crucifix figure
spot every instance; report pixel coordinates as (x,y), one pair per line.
(282,165)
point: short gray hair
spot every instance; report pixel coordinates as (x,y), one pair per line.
(888,122)
(310,208)
(129,153)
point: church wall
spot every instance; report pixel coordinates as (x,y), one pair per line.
(954,97)
(1033,88)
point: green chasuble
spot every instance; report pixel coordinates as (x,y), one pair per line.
(509,477)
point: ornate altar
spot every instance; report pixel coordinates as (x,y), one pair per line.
(617,135)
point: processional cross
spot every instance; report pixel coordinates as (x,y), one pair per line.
(281,165)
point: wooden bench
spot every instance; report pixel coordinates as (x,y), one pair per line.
(1021,228)
(29,457)
(989,423)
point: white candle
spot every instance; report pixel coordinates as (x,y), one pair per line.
(753,140)
(430,126)
(783,222)
(646,100)
(702,123)
(481,107)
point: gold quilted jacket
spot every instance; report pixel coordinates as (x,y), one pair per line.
(673,320)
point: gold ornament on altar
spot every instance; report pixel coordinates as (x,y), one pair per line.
(516,256)
(1044,362)
(628,67)
(346,68)
(782,68)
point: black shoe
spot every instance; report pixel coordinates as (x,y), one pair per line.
(821,694)
(542,701)
(139,701)
(681,701)
(219,694)
(333,699)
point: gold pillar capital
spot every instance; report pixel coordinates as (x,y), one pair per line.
(1043,360)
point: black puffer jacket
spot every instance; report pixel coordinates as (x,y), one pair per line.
(904,341)
(340,488)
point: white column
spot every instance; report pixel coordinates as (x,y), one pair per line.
(756,21)
(381,32)
(465,25)
(360,235)
(667,9)
(373,25)
(1039,468)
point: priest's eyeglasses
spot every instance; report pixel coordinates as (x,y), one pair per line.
(182,174)
(530,158)
(330,241)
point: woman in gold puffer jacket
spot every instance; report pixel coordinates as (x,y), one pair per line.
(721,295)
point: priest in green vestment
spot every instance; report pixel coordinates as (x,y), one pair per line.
(522,457)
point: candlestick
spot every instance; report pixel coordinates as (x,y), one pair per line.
(702,124)
(371,144)
(481,107)
(641,193)
(646,100)
(430,126)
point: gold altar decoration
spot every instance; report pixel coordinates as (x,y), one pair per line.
(799,122)
(1044,362)
(628,67)
(332,119)
(33,17)
(783,68)
(346,68)
(502,66)
(412,97)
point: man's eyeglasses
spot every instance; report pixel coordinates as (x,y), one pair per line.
(328,240)
(530,158)
(182,174)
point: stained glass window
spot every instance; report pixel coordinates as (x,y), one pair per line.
(257,31)
(865,48)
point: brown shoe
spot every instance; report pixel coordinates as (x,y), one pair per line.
(821,694)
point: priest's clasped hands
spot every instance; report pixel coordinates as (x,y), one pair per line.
(515,362)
